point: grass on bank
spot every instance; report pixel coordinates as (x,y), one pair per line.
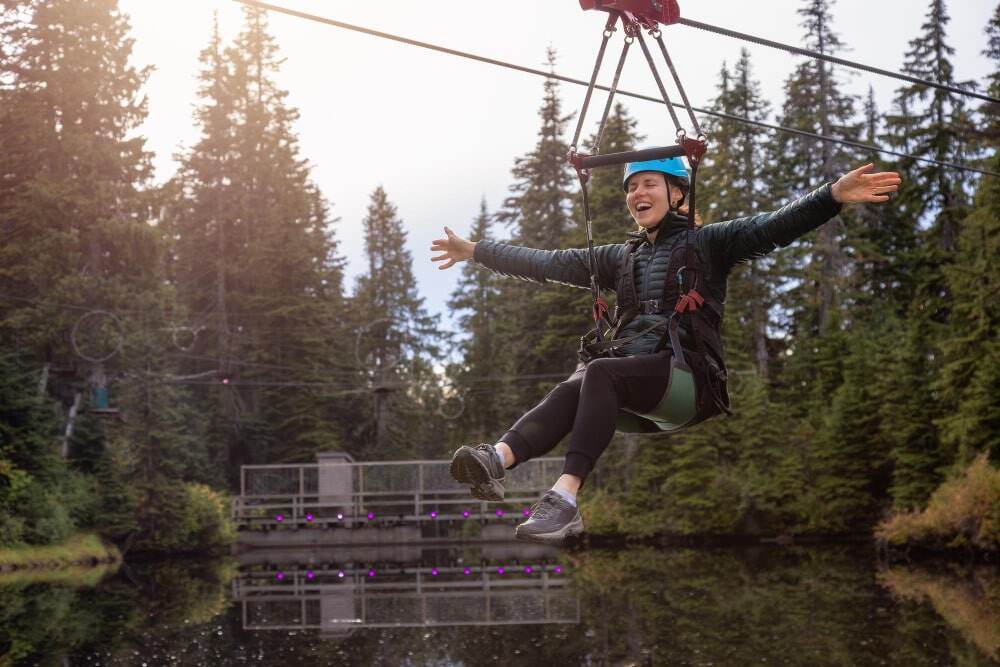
(84,548)
(962,512)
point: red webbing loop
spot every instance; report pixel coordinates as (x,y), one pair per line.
(600,309)
(690,302)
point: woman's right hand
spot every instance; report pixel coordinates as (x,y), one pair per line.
(453,248)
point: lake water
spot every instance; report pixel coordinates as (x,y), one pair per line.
(506,604)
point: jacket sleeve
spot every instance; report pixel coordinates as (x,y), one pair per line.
(735,241)
(569,267)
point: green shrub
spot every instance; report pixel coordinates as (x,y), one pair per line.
(46,519)
(964,511)
(207,521)
(192,518)
(603,514)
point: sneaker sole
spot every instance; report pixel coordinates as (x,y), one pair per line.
(574,527)
(467,469)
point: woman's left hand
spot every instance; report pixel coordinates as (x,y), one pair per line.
(860,186)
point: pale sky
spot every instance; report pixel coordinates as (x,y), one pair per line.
(439,133)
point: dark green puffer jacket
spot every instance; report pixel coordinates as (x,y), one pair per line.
(722,245)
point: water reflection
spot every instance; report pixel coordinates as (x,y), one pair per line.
(968,599)
(370,588)
(794,606)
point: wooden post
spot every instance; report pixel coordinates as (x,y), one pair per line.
(64,450)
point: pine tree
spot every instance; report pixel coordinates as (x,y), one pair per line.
(815,103)
(76,204)
(936,128)
(71,207)
(844,493)
(908,411)
(884,243)
(397,340)
(255,259)
(990,111)
(475,298)
(734,186)
(32,475)
(537,211)
(969,382)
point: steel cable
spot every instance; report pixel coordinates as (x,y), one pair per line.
(580,82)
(833,59)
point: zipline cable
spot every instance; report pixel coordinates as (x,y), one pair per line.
(726,32)
(558,77)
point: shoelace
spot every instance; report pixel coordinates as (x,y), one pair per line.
(541,508)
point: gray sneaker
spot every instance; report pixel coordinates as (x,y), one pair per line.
(552,520)
(480,468)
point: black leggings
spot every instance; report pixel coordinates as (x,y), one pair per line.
(586,404)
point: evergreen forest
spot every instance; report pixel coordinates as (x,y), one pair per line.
(156,336)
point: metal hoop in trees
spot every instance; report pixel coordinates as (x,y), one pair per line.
(187,332)
(98,328)
(452,415)
(364,361)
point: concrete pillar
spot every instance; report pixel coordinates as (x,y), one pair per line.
(336,483)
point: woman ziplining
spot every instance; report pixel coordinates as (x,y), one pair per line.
(657,364)
(623,381)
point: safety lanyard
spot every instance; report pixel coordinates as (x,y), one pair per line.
(635,16)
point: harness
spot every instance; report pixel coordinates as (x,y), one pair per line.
(698,375)
(697,388)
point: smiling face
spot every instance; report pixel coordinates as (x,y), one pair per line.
(648,197)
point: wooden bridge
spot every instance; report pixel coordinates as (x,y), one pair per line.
(337,492)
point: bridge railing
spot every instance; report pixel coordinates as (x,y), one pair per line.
(357,492)
(341,600)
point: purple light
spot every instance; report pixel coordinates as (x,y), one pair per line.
(466,571)
(279,576)
(279,517)
(434,572)
(310,574)
(339,516)
(466,514)
(527,569)
(526,512)
(371,515)
(500,570)
(499,512)
(558,569)
(309,517)
(434,515)
(341,574)
(371,573)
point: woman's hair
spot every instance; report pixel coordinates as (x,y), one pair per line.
(681,183)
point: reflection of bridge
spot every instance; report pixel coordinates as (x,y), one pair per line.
(338,600)
(338,492)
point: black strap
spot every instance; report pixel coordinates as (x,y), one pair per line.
(611,344)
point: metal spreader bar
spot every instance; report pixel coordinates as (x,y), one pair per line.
(612,159)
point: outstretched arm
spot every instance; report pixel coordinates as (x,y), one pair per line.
(732,242)
(569,267)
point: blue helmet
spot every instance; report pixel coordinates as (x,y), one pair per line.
(673,166)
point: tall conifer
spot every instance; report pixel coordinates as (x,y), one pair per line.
(734,185)
(537,212)
(933,123)
(475,301)
(397,340)
(255,259)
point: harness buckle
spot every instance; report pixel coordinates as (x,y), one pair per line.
(649,307)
